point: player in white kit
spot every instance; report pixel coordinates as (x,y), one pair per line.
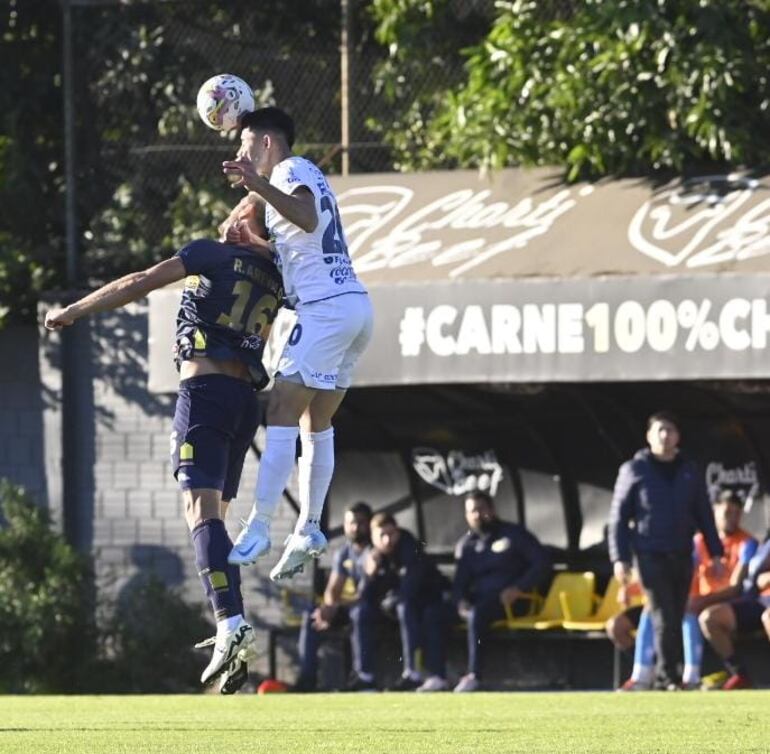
(334,325)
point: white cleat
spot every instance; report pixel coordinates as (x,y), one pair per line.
(253,542)
(467,683)
(232,679)
(433,683)
(300,549)
(227,647)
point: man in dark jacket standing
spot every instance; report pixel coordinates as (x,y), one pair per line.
(663,495)
(497,563)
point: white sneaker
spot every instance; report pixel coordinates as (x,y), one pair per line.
(253,542)
(434,683)
(300,549)
(467,683)
(227,646)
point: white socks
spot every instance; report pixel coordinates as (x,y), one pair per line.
(691,674)
(226,625)
(643,673)
(316,466)
(274,471)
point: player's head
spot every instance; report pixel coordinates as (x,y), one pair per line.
(267,136)
(663,434)
(356,523)
(728,508)
(479,511)
(270,120)
(385,533)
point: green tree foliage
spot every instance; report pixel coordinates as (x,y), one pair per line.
(600,87)
(47,634)
(49,639)
(31,214)
(424,39)
(148,172)
(148,641)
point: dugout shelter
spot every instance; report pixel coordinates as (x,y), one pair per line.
(526,328)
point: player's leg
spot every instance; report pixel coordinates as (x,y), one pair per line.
(720,624)
(363,620)
(437,619)
(288,400)
(480,616)
(620,630)
(211,544)
(643,672)
(245,414)
(201,439)
(693,651)
(316,463)
(766,622)
(340,330)
(307,647)
(409,622)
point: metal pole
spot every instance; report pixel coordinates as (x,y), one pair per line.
(69,146)
(345,86)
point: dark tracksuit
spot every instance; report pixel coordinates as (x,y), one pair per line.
(411,581)
(666,502)
(349,563)
(505,555)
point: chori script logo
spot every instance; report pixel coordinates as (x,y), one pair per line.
(705,221)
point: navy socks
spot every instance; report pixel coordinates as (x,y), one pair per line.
(212,546)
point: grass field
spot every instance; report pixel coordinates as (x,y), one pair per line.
(389,723)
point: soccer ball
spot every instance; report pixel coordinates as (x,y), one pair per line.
(222,100)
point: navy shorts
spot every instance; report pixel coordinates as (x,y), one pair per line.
(215,421)
(748,613)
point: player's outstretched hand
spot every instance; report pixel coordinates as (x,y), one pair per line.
(241,173)
(55,319)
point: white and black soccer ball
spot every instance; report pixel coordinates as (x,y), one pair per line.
(222,100)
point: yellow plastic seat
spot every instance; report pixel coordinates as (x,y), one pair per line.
(569,598)
(608,607)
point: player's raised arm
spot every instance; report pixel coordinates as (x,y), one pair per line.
(298,207)
(118,293)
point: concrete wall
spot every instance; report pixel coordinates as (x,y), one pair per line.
(22,409)
(129,512)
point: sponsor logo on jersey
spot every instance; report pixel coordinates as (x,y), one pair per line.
(323,377)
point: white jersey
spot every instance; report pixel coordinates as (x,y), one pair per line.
(315,266)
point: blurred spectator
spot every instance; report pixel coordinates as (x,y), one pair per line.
(747,614)
(659,501)
(401,579)
(706,589)
(497,563)
(341,606)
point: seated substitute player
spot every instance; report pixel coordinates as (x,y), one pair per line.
(497,562)
(748,613)
(338,609)
(706,589)
(334,326)
(400,577)
(231,296)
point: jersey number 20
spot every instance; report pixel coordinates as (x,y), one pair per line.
(333,241)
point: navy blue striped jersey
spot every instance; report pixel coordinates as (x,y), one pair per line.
(230,299)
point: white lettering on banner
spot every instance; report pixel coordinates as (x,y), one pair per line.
(672,231)
(458,473)
(739,324)
(745,478)
(369,209)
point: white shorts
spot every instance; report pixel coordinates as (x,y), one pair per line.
(327,341)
